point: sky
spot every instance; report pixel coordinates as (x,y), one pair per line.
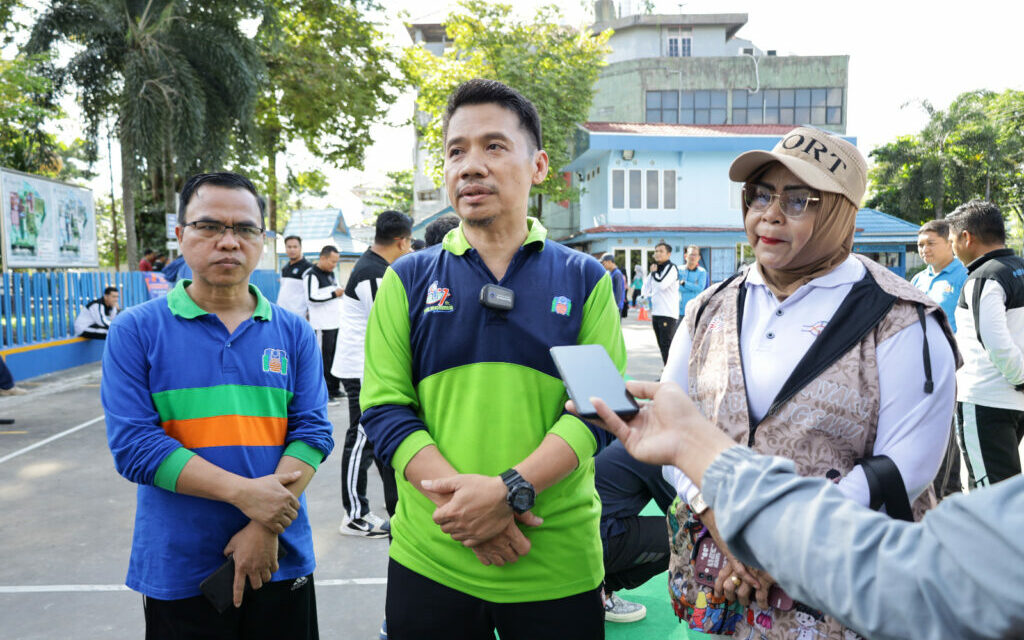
(901,52)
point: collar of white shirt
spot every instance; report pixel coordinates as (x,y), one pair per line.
(849,271)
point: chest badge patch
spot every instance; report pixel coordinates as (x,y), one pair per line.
(275,361)
(816,328)
(561,305)
(437,299)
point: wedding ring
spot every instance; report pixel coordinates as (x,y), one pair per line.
(736,581)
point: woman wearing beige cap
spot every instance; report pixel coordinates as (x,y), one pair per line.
(813,354)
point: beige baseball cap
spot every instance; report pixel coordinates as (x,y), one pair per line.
(821,160)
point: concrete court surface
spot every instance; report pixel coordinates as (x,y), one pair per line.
(66,529)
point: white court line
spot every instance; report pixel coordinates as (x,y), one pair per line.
(77,588)
(17,453)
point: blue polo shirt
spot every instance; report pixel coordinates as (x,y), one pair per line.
(943,287)
(691,283)
(175,385)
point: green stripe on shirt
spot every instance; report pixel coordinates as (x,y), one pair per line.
(220,400)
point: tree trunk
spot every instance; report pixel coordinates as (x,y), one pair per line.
(272,188)
(128,203)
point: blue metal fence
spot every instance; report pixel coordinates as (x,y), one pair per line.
(41,306)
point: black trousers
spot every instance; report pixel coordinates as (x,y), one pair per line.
(637,555)
(989,438)
(357,458)
(285,609)
(636,294)
(420,609)
(947,480)
(664,331)
(328,342)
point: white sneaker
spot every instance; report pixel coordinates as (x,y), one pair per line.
(618,610)
(363,527)
(334,401)
(13,391)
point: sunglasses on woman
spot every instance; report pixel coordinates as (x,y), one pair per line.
(795,203)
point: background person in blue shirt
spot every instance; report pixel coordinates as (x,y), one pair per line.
(945,274)
(693,278)
(618,281)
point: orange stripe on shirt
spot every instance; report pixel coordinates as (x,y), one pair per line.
(228,431)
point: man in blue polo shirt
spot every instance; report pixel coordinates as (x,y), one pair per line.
(942,281)
(215,406)
(945,274)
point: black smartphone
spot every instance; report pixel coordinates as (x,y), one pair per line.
(588,372)
(219,586)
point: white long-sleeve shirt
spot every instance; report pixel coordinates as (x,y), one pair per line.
(990,372)
(662,287)
(913,426)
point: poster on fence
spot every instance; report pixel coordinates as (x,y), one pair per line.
(46,223)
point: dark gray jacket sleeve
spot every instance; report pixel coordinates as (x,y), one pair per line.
(959,573)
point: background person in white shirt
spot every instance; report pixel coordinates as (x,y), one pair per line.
(94,319)
(662,287)
(813,354)
(292,294)
(324,299)
(990,317)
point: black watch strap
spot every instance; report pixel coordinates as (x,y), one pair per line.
(511,477)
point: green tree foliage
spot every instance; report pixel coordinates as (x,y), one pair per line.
(329,78)
(26,106)
(396,196)
(973,149)
(554,66)
(178,75)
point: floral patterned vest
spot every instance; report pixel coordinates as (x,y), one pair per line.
(824,419)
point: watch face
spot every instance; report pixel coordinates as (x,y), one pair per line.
(522,499)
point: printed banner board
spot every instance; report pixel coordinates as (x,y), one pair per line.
(46,223)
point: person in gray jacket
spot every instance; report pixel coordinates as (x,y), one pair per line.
(958,573)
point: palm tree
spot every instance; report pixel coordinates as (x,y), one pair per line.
(178,76)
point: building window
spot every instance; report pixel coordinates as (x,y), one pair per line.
(652,189)
(656,190)
(669,182)
(735,196)
(662,106)
(635,194)
(679,45)
(703,107)
(817,106)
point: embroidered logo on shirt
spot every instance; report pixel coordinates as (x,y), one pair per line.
(275,361)
(561,305)
(816,328)
(437,299)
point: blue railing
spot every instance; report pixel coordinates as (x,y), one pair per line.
(41,306)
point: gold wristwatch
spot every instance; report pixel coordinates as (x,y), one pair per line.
(697,504)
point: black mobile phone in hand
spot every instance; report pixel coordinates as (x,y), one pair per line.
(588,372)
(219,586)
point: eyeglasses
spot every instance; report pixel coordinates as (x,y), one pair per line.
(212,229)
(795,203)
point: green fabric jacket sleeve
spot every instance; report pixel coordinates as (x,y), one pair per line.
(388,398)
(601,325)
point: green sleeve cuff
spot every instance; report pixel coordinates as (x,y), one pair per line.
(167,473)
(302,451)
(577,435)
(410,447)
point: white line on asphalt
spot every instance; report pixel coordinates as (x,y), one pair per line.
(72,588)
(17,453)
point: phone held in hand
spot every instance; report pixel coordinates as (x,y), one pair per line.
(588,372)
(219,586)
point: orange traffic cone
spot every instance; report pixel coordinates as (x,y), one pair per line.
(643,314)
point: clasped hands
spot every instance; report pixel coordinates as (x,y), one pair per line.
(271,508)
(472,510)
